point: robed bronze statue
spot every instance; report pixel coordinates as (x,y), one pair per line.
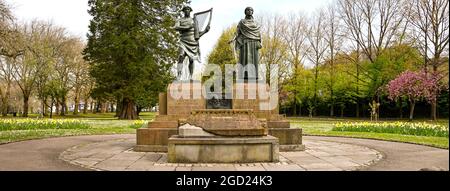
(247,43)
(191,29)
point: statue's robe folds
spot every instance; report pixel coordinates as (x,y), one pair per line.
(187,40)
(248,43)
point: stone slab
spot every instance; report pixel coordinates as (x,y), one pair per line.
(291,136)
(192,131)
(154,139)
(278,124)
(223,149)
(163,124)
(162,103)
(292,148)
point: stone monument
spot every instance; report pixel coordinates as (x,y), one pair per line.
(237,128)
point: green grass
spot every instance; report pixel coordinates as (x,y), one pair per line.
(99,124)
(324,126)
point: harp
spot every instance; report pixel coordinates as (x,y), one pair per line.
(201,21)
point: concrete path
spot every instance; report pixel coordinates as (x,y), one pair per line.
(118,155)
(44,154)
(399,156)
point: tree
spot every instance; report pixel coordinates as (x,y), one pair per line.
(373,25)
(430,27)
(6,76)
(8,54)
(131,48)
(69,60)
(40,42)
(414,86)
(332,30)
(317,49)
(274,49)
(295,36)
(80,76)
(223,53)
(5,26)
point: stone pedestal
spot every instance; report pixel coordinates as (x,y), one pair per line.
(177,105)
(223,149)
(154,139)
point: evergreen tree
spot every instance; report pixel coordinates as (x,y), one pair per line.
(131,48)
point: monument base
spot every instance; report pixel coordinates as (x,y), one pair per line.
(223,149)
(153,139)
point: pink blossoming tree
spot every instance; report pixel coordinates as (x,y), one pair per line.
(415,86)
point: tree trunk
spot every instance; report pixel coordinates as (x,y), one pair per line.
(128,110)
(95,110)
(357,108)
(43,107)
(295,107)
(332,110)
(63,106)
(4,107)
(25,105)
(5,100)
(300,110)
(433,111)
(56,106)
(119,108)
(342,112)
(411,110)
(85,105)
(138,110)
(51,107)
(103,107)
(77,103)
(92,106)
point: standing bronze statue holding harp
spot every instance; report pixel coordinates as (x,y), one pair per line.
(191,30)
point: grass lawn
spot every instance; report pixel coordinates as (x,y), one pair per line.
(107,124)
(101,124)
(324,126)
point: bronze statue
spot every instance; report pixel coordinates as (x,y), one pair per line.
(248,42)
(190,33)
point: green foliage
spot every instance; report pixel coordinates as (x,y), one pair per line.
(132,46)
(404,128)
(223,52)
(389,64)
(347,82)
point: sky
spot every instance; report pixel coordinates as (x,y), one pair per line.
(72,14)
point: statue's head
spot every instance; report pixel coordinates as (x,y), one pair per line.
(187,10)
(248,11)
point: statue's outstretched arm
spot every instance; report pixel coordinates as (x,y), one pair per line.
(235,36)
(179,27)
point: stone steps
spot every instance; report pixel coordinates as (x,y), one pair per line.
(163,124)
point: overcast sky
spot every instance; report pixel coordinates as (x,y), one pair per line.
(72,14)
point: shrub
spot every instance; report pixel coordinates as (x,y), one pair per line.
(404,128)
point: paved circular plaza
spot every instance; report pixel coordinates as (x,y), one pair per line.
(118,155)
(113,152)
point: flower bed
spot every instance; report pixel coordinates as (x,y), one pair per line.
(404,128)
(138,124)
(27,124)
